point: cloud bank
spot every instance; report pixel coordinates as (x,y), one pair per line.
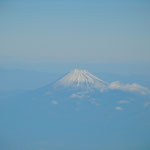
(54,102)
(146,104)
(117,85)
(123,102)
(118,108)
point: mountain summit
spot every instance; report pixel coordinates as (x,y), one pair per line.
(79,78)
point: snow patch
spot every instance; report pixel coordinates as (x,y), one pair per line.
(81,79)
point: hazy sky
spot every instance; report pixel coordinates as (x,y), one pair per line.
(75,31)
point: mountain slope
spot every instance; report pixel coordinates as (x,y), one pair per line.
(81,79)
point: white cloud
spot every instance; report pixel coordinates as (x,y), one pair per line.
(80,95)
(146,104)
(123,102)
(117,85)
(48,93)
(54,102)
(77,109)
(118,108)
(77,96)
(93,101)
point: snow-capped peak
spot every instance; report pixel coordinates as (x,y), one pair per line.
(79,78)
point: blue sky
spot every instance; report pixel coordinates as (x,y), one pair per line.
(84,31)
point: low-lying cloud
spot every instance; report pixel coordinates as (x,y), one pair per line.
(123,102)
(80,95)
(118,108)
(146,104)
(117,85)
(54,102)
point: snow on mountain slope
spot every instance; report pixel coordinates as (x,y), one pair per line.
(81,79)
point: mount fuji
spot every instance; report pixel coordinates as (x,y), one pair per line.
(81,79)
(80,85)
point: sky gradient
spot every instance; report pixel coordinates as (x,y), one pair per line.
(74,31)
